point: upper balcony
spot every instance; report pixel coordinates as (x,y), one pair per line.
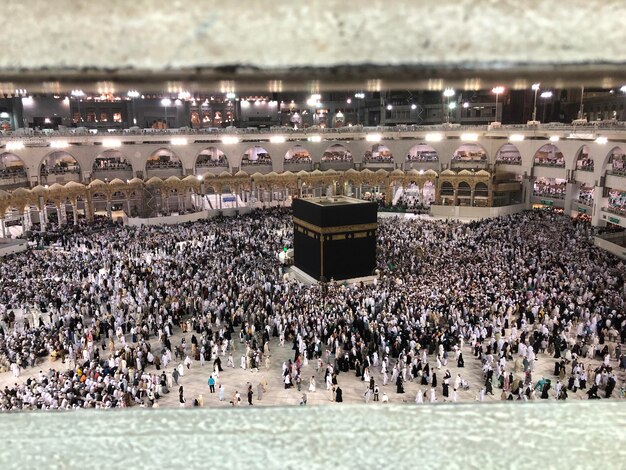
(590,131)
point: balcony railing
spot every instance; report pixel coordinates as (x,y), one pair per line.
(550,195)
(615,210)
(550,164)
(33,137)
(59,170)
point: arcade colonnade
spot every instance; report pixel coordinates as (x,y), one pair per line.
(164,157)
(177,194)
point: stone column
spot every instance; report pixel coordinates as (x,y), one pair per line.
(570,190)
(59,215)
(44,218)
(528,185)
(75,212)
(2,228)
(389,194)
(598,203)
(23,214)
(89,210)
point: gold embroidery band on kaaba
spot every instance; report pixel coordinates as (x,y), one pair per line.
(337,229)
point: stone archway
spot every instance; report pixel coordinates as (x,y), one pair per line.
(163,159)
(617,160)
(256,156)
(210,158)
(583,161)
(470,155)
(59,167)
(508,154)
(549,155)
(378,154)
(422,153)
(298,158)
(13,172)
(337,153)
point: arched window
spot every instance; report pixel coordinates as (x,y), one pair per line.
(481,190)
(12,169)
(379,154)
(422,153)
(111,160)
(583,161)
(447,189)
(163,159)
(256,156)
(618,161)
(59,166)
(464,190)
(337,153)
(549,155)
(297,154)
(508,154)
(470,153)
(211,157)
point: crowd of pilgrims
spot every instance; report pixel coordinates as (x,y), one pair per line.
(106,303)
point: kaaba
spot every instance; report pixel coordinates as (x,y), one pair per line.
(334,237)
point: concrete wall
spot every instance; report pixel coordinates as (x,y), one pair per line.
(399,143)
(14,246)
(182,218)
(612,218)
(609,246)
(463,212)
(45,106)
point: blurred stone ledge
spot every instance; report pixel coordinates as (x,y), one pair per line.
(285,45)
(576,434)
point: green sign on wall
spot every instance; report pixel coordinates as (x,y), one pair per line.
(582,210)
(547,202)
(614,220)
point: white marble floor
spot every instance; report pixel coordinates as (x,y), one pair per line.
(236,379)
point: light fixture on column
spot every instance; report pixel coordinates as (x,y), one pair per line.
(535,88)
(469,137)
(448,93)
(112,143)
(546,95)
(498,90)
(14,145)
(433,137)
(59,144)
(227,139)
